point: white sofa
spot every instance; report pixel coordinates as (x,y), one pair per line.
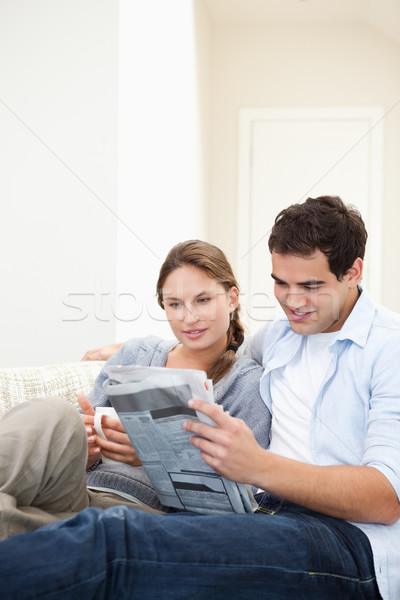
(66,380)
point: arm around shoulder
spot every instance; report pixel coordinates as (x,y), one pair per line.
(102,353)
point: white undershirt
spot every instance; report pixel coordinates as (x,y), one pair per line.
(294,390)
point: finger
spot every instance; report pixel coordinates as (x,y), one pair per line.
(133,460)
(85,404)
(115,442)
(94,450)
(95,354)
(113,424)
(209,438)
(121,453)
(115,437)
(209,447)
(213,411)
(202,429)
(88,420)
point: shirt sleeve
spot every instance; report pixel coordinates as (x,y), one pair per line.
(382,442)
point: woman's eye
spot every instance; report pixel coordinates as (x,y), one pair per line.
(203,300)
(175,304)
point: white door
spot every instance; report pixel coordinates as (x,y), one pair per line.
(286,155)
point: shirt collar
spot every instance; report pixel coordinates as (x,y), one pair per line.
(358,324)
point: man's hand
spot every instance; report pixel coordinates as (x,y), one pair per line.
(117,446)
(365,494)
(229,448)
(103,353)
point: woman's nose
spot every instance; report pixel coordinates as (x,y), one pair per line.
(189,315)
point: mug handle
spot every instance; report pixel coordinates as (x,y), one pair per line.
(97,424)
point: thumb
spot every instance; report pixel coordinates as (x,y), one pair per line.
(85,405)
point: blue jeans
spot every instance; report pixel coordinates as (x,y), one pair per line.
(281,552)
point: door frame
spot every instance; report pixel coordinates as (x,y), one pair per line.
(248,118)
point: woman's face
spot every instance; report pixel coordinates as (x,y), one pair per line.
(198,307)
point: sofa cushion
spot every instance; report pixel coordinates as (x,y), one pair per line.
(66,380)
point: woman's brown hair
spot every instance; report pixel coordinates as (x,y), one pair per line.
(212,261)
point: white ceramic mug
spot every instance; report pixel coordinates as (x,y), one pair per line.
(104,411)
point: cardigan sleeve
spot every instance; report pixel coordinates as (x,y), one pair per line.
(137,351)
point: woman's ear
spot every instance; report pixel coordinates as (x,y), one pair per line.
(233,298)
(355,272)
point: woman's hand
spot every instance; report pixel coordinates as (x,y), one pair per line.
(117,446)
(88,421)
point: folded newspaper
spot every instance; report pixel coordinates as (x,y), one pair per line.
(152,403)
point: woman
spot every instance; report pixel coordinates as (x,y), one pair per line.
(42,467)
(199,293)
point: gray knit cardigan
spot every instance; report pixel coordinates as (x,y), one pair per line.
(238,392)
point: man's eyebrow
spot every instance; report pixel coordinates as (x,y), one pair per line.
(275,278)
(312,282)
(301,283)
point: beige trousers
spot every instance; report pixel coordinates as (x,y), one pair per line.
(43,455)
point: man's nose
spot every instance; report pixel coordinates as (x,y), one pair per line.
(296,300)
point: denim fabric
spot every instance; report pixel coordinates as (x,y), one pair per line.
(281,552)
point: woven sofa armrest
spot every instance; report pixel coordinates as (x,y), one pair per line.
(67,380)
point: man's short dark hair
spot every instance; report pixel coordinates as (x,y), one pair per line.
(323,223)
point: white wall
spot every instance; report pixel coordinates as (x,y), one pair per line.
(299,66)
(58,183)
(163,128)
(104,117)
(67,284)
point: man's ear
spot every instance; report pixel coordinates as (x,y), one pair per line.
(355,272)
(233,298)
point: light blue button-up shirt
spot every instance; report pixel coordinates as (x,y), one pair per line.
(356,418)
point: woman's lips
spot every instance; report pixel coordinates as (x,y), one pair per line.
(194,333)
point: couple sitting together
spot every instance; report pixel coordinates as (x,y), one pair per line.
(310,421)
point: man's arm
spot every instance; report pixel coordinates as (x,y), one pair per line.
(103,353)
(353,493)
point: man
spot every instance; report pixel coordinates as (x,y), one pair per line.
(327,525)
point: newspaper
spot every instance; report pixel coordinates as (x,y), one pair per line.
(152,403)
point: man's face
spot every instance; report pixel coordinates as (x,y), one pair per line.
(310,294)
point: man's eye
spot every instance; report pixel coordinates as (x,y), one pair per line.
(312,288)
